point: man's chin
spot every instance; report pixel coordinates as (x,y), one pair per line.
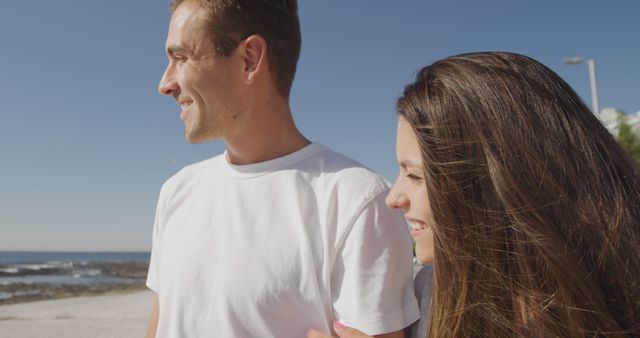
(194,137)
(193,140)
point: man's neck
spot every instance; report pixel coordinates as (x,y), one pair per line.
(255,152)
(267,135)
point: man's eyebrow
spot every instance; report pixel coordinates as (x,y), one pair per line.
(172,50)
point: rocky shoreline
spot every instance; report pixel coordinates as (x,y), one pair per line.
(77,279)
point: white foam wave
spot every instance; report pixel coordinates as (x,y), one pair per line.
(84,273)
(35,266)
(94,272)
(46,265)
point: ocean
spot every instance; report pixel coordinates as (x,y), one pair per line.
(26,276)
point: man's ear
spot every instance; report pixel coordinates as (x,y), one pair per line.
(254,57)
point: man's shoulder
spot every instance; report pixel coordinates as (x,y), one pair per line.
(189,173)
(349,173)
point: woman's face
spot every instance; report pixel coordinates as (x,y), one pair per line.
(409,192)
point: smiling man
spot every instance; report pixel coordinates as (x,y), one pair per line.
(277,234)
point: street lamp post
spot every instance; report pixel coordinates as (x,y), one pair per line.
(592,78)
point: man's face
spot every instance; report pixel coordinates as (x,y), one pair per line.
(202,83)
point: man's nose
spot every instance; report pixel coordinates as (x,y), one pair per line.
(168,84)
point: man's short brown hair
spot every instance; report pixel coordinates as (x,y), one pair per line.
(231,21)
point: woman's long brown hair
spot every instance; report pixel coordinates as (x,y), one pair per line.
(536,208)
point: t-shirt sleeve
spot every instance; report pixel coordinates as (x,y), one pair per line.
(153,275)
(372,277)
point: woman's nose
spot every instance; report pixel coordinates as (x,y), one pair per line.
(396,198)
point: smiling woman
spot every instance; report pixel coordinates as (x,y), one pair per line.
(531,203)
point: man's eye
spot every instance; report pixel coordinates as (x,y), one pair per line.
(179,59)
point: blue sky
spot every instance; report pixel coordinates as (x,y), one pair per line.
(86,141)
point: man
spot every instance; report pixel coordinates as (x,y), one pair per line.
(277,235)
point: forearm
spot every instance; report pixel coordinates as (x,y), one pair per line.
(397,334)
(153,318)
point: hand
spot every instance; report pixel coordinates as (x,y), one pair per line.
(341,330)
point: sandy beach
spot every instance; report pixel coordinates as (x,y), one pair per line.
(111,315)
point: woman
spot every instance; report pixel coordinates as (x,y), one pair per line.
(533,208)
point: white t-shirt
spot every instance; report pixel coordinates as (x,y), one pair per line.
(275,248)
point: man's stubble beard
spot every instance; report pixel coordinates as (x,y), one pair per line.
(201,131)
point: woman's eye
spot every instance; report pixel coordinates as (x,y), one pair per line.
(413,177)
